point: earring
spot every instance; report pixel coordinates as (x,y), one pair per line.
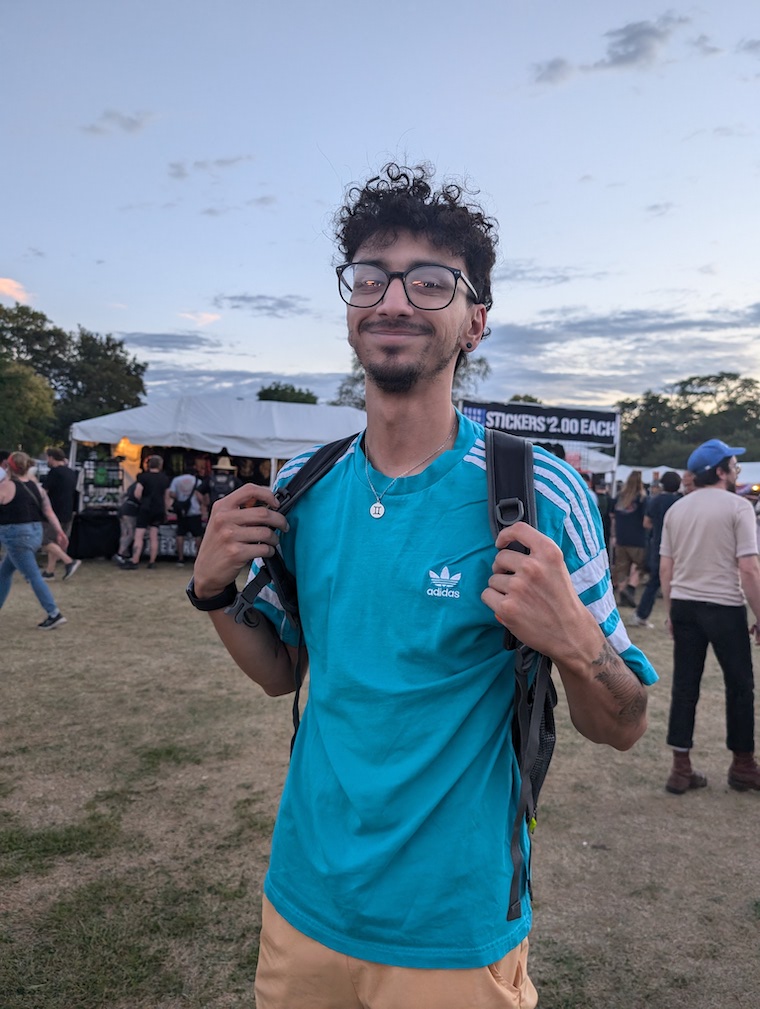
(468,346)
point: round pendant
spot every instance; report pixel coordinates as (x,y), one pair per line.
(377,510)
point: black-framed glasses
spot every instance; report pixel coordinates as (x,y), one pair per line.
(429,286)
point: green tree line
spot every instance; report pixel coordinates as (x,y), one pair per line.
(665,427)
(50,378)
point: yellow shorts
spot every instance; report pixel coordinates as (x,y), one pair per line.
(296,972)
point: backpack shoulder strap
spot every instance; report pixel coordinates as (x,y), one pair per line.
(512,498)
(273,569)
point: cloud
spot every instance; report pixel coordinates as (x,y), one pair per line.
(573,357)
(200,318)
(637,45)
(265,304)
(525,271)
(261,201)
(750,46)
(553,71)
(182,169)
(175,381)
(659,209)
(169,343)
(111,120)
(704,46)
(13,290)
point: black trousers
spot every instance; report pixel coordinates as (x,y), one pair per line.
(695,626)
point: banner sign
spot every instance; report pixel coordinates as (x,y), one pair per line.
(546,423)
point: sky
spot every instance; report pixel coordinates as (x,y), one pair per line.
(170,170)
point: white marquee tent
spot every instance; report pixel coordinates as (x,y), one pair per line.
(258,429)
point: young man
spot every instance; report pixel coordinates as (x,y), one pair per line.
(708,566)
(390,869)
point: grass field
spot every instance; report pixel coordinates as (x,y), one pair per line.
(139,780)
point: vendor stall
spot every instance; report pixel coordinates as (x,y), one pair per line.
(258,435)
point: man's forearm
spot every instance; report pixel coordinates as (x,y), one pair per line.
(607,700)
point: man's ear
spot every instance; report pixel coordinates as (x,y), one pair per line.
(474,331)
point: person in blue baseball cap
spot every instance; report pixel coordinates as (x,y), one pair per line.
(709,454)
(709,571)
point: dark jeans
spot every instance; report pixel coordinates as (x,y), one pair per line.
(695,626)
(652,587)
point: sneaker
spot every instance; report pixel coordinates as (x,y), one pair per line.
(48,574)
(180,564)
(640,621)
(50,622)
(151,564)
(71,569)
(129,566)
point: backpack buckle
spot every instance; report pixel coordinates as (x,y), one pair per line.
(510,510)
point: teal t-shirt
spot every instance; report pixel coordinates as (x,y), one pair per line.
(392,839)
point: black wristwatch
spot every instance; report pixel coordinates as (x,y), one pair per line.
(222,599)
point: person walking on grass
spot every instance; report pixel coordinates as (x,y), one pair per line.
(24,505)
(60,482)
(709,570)
(390,869)
(629,538)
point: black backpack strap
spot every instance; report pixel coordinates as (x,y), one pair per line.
(273,570)
(509,466)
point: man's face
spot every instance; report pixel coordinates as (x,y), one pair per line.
(400,345)
(731,474)
(687,482)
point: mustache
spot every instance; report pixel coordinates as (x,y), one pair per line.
(394,326)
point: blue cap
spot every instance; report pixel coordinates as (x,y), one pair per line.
(709,454)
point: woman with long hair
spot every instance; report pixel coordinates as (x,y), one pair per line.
(23,506)
(629,538)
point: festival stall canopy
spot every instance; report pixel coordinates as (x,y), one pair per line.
(244,427)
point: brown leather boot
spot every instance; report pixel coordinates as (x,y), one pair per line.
(744,774)
(683,776)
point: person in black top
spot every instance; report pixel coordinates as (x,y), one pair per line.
(23,506)
(60,482)
(654,516)
(150,492)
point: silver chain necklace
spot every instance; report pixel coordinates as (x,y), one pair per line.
(377,510)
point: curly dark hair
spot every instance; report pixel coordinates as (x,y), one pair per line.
(403,199)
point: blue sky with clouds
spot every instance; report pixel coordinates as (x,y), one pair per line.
(171,167)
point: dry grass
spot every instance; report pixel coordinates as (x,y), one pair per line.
(139,781)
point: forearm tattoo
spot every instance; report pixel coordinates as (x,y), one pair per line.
(614,674)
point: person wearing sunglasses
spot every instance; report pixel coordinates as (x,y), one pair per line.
(390,869)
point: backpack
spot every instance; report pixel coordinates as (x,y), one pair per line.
(509,470)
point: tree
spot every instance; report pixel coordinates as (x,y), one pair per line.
(667,426)
(351,388)
(525,398)
(101,377)
(468,376)
(26,407)
(30,338)
(287,393)
(89,374)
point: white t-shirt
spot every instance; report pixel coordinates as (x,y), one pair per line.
(705,533)
(182,487)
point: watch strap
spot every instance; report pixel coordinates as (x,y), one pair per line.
(226,597)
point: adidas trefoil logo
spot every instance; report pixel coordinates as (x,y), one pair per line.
(444,584)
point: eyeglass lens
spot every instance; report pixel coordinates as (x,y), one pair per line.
(363,285)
